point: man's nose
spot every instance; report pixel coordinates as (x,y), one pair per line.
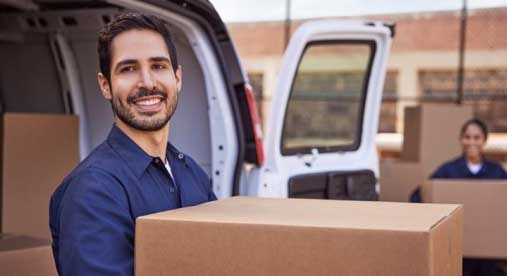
(146,80)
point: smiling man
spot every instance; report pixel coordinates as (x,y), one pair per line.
(136,171)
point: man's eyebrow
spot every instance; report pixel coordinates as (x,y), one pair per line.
(160,59)
(125,62)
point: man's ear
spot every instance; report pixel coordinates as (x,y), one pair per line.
(178,76)
(105,88)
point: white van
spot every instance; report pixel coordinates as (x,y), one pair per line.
(320,139)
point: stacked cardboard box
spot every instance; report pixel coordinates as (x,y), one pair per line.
(37,151)
(21,255)
(431,137)
(485,226)
(255,236)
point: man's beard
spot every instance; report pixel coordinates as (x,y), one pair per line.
(145,124)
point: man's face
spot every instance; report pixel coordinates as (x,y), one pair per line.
(144,88)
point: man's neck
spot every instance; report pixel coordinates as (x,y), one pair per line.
(154,143)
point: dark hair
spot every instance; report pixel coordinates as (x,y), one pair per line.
(126,22)
(477,122)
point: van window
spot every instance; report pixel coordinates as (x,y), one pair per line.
(327,98)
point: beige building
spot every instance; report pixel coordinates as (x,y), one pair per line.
(422,66)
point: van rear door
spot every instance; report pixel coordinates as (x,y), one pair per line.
(320,139)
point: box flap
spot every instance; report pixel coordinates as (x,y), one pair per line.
(314,213)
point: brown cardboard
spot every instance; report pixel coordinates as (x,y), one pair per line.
(412,128)
(21,255)
(38,150)
(399,179)
(255,236)
(485,226)
(431,133)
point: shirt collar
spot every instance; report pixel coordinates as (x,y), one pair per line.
(464,165)
(135,157)
(174,154)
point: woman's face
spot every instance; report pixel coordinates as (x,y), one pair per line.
(473,141)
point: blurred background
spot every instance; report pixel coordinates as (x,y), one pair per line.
(424,61)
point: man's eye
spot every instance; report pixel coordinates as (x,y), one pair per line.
(127,69)
(158,66)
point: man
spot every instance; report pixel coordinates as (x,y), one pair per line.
(135,171)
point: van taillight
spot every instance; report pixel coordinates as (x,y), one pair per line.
(256,123)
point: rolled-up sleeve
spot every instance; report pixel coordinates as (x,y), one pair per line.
(96,234)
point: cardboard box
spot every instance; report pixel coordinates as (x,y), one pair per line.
(38,151)
(485,225)
(21,255)
(431,133)
(255,236)
(399,179)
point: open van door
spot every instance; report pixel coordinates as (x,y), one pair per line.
(320,139)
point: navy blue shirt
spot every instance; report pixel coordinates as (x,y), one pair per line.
(93,212)
(458,169)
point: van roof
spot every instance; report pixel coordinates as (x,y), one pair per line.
(203,8)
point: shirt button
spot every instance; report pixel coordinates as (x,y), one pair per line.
(171,190)
(180,156)
(156,160)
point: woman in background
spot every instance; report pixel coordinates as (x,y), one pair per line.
(470,165)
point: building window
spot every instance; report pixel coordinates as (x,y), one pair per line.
(388,109)
(484,90)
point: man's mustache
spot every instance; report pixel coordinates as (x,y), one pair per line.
(145,93)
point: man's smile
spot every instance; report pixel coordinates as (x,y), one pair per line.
(148,101)
(151,104)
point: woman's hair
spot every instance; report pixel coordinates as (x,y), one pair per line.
(477,122)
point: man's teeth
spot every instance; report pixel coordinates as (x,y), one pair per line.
(148,102)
